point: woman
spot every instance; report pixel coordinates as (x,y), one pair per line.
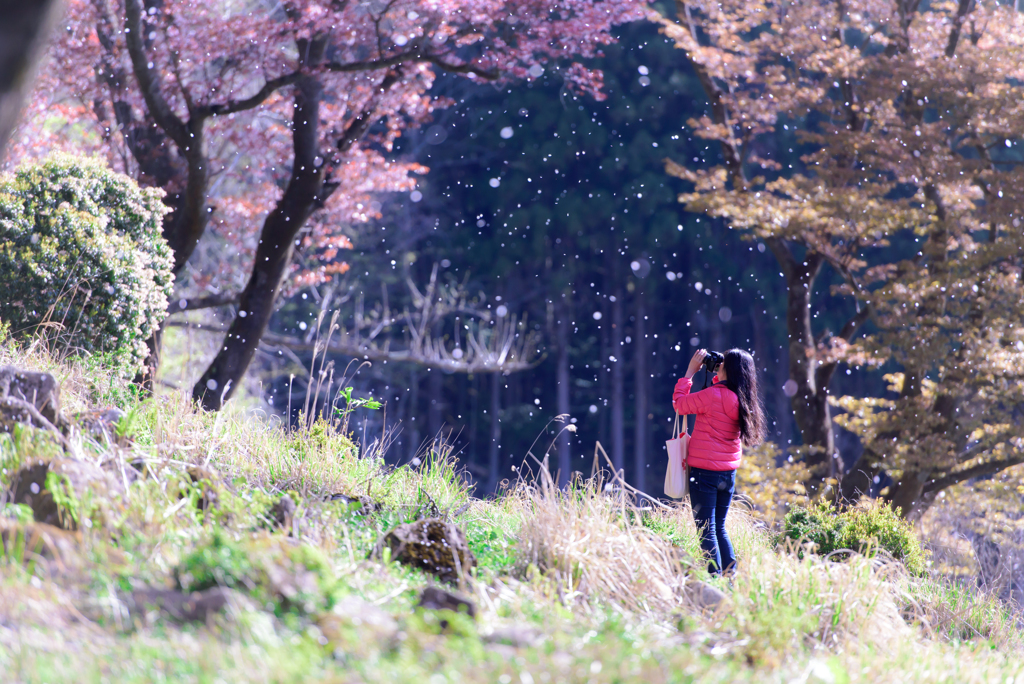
(729,415)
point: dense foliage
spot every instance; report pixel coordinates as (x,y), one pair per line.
(865,529)
(82,259)
(286,118)
(908,188)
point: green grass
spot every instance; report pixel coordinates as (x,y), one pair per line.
(577,586)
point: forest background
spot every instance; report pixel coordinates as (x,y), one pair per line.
(547,210)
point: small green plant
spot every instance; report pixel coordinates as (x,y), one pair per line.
(863,529)
(68,504)
(351,405)
(19,513)
(219,562)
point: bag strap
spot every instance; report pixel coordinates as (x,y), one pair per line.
(677,431)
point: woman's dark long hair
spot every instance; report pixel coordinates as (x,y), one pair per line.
(741,378)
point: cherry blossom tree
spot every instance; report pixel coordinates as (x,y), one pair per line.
(290,109)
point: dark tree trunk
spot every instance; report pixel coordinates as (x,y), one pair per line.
(414,407)
(641,423)
(435,406)
(493,448)
(24,31)
(474,420)
(810,403)
(603,378)
(186,185)
(618,398)
(563,379)
(305,191)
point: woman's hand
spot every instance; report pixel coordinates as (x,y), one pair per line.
(696,362)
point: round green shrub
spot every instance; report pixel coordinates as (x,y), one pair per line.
(82,258)
(864,529)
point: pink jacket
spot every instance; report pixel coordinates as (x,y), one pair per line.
(715,443)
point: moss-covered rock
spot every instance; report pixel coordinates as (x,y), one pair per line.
(432,545)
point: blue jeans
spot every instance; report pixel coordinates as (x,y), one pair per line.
(710,495)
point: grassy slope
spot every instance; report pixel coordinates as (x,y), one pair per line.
(602,590)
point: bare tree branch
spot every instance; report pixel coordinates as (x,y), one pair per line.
(978,470)
(491,344)
(255,100)
(962,9)
(206,302)
(149,79)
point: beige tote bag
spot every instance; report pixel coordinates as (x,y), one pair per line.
(677,475)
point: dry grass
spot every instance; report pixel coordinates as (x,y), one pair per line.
(592,545)
(600,576)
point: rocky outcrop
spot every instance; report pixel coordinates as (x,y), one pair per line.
(432,545)
(80,481)
(197,606)
(703,596)
(436,598)
(32,542)
(28,398)
(102,425)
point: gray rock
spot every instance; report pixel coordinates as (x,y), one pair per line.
(38,390)
(436,598)
(703,596)
(29,487)
(199,606)
(517,636)
(353,615)
(32,542)
(432,545)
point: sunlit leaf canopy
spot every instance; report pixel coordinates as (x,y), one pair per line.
(906,115)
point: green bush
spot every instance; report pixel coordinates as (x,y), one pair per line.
(863,529)
(82,258)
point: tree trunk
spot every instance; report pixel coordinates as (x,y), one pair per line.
(563,379)
(24,32)
(414,407)
(861,478)
(640,381)
(618,398)
(603,378)
(493,451)
(435,406)
(810,403)
(273,254)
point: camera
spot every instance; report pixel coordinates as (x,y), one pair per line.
(713,360)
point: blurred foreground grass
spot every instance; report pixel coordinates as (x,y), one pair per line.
(577,586)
